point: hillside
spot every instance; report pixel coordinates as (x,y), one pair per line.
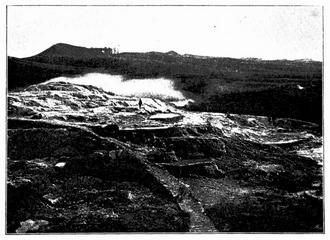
(207,80)
(81,159)
(66,50)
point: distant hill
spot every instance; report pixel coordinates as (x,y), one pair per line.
(207,80)
(67,50)
(172,65)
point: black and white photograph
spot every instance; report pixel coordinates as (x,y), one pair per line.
(125,119)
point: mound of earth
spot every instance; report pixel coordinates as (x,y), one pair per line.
(81,159)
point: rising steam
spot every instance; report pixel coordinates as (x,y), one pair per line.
(155,87)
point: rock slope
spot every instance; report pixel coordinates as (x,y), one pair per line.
(81,159)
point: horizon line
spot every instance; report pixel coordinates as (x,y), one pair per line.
(180,54)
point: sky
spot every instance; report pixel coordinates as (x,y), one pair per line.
(222,31)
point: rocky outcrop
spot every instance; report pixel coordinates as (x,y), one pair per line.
(95,162)
(68,161)
(43,142)
(193,147)
(202,167)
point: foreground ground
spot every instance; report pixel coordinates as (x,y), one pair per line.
(83,160)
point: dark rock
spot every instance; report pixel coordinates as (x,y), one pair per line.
(20,111)
(289,123)
(115,165)
(188,147)
(76,118)
(188,167)
(106,130)
(149,134)
(37,116)
(212,171)
(15,123)
(161,155)
(22,202)
(124,196)
(93,119)
(39,143)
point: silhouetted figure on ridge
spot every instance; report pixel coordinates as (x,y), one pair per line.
(271,119)
(140,103)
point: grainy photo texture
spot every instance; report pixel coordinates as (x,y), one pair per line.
(164,119)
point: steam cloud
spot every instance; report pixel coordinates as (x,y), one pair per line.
(155,87)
